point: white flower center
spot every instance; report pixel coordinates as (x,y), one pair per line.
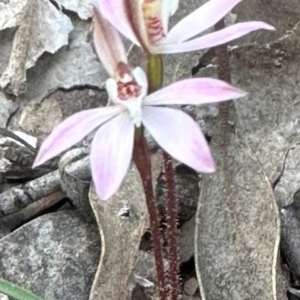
(130,94)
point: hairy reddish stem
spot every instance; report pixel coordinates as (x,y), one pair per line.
(143,163)
(223,74)
(172,232)
(155,78)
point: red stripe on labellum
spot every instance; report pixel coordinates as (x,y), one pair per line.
(127,86)
(155,30)
(128,90)
(152,17)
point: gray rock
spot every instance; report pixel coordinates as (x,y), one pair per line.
(54,256)
(290,235)
(7,109)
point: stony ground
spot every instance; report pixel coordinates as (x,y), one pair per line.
(58,240)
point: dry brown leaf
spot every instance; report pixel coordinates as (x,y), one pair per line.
(41,28)
(237,230)
(122,221)
(69,67)
(269,115)
(267,118)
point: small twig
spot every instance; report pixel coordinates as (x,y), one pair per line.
(18,197)
(10,222)
(10,134)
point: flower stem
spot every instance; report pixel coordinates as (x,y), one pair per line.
(154,72)
(155,78)
(223,74)
(143,163)
(172,229)
(223,133)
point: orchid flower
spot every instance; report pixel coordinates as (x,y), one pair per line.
(145,23)
(112,146)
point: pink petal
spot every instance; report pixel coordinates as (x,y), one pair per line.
(201,19)
(180,136)
(72,130)
(216,38)
(114,11)
(111,154)
(194,91)
(108,44)
(169,7)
